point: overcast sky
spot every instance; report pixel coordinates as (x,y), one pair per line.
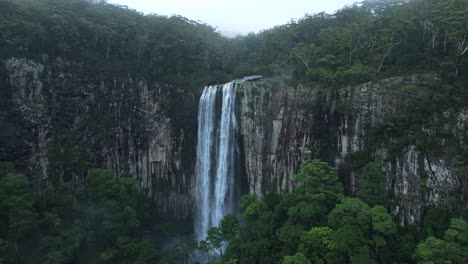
(237,16)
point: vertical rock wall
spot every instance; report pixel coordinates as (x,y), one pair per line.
(124,124)
(27,102)
(284,126)
(281,127)
(149,130)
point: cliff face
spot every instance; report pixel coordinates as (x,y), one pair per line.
(284,126)
(60,124)
(24,97)
(7,125)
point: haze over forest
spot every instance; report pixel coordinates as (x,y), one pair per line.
(243,17)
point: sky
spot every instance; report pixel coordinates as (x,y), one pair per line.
(238,16)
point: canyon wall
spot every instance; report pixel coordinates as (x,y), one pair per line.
(57,124)
(283,126)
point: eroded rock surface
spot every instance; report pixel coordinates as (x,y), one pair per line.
(59,124)
(283,126)
(62,124)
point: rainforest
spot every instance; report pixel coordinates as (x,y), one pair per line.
(142,138)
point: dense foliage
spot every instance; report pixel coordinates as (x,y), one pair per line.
(111,222)
(372,39)
(107,220)
(369,40)
(101,40)
(317,224)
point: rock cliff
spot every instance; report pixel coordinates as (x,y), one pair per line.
(59,124)
(283,126)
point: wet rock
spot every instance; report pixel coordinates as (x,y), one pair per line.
(283,127)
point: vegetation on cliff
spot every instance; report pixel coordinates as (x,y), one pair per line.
(100,40)
(372,39)
(105,219)
(316,223)
(110,222)
(113,222)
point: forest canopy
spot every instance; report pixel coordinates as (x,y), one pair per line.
(362,42)
(110,220)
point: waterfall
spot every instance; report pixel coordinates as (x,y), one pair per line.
(216,189)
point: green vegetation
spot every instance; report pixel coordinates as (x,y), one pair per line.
(369,40)
(452,248)
(96,216)
(348,230)
(111,222)
(373,39)
(100,40)
(372,185)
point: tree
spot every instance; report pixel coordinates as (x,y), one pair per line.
(357,24)
(317,193)
(229,227)
(60,201)
(316,243)
(391,36)
(148,253)
(372,184)
(299,258)
(251,205)
(99,183)
(306,53)
(383,228)
(16,208)
(452,16)
(351,220)
(218,237)
(457,232)
(433,250)
(453,248)
(186,247)
(289,235)
(360,230)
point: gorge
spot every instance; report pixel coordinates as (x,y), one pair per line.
(280,127)
(123,140)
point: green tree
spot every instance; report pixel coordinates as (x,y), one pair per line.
(307,54)
(433,250)
(218,237)
(289,235)
(251,205)
(382,228)
(317,193)
(372,185)
(316,243)
(299,258)
(16,208)
(453,248)
(360,230)
(457,232)
(186,247)
(351,220)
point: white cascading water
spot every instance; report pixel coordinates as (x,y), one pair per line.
(217,157)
